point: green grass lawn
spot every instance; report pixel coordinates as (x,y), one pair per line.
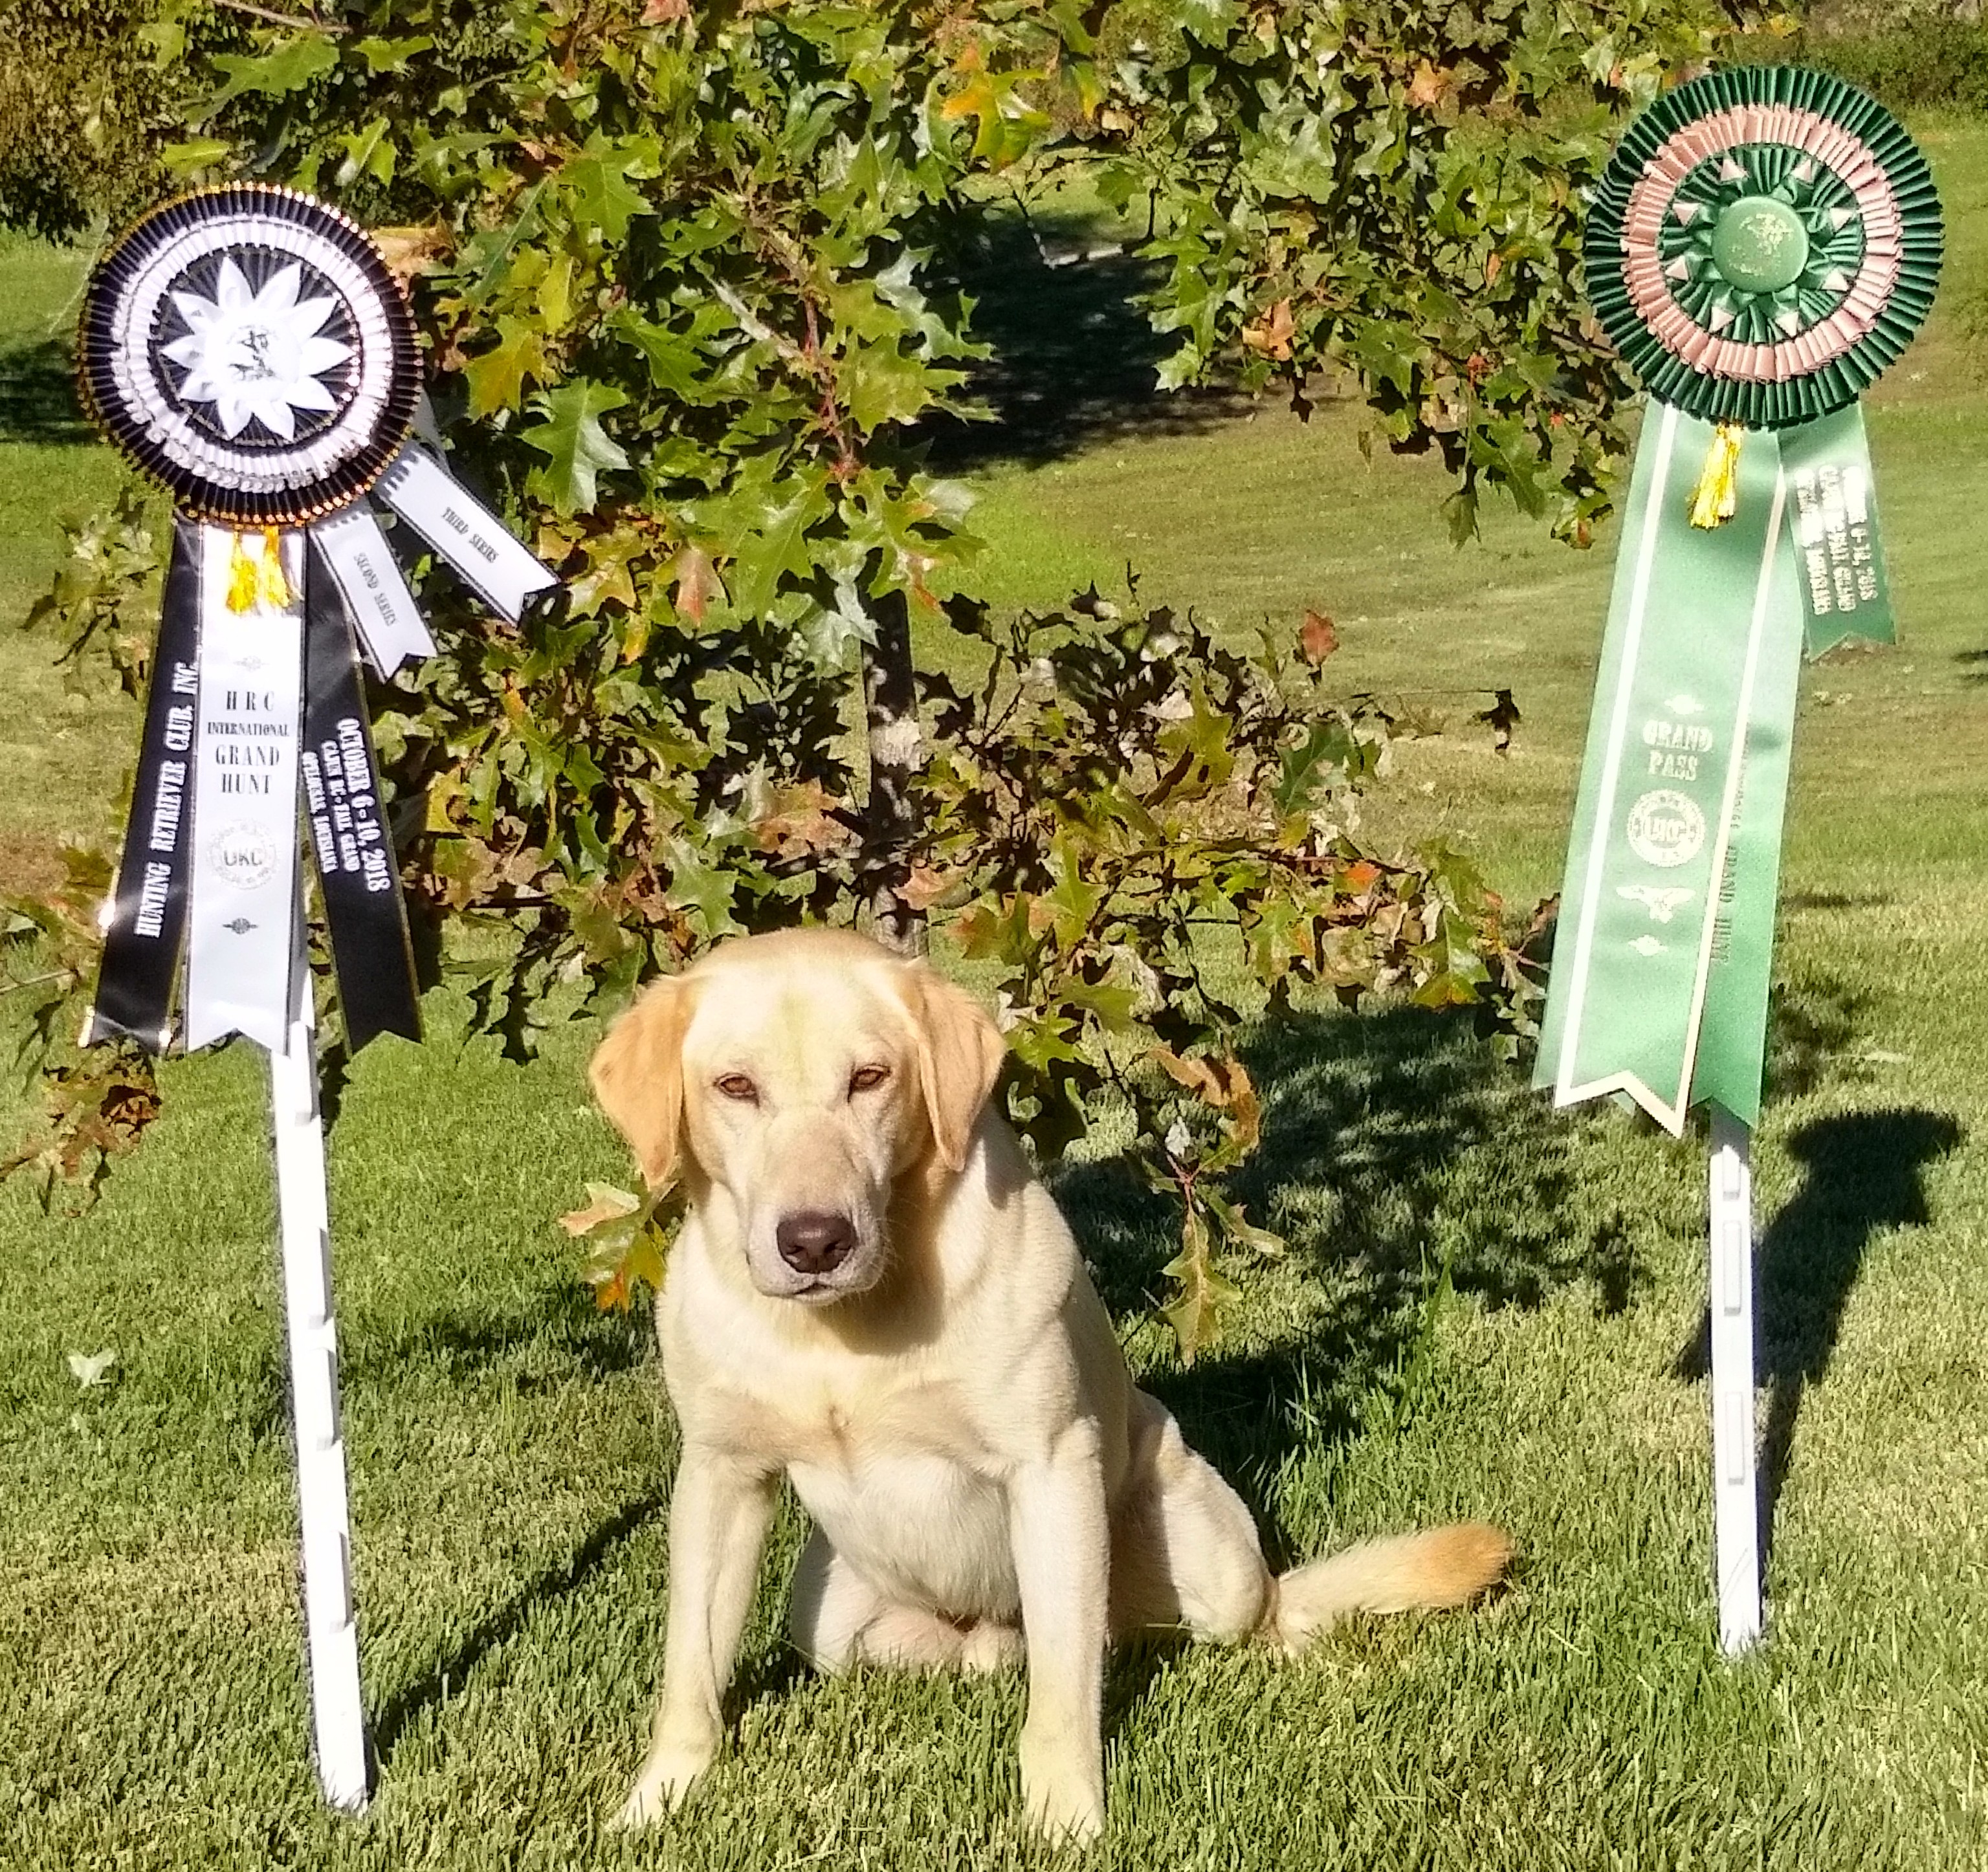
(510,1451)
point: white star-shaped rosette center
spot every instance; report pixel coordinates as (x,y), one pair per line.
(256,356)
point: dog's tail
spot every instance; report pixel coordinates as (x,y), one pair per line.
(1405,1572)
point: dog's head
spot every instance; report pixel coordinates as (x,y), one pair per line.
(794,1079)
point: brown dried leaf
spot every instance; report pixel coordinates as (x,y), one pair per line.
(1220,1082)
(1271,334)
(1430,86)
(411,252)
(802,821)
(925,886)
(1318,637)
(607,1205)
(697,582)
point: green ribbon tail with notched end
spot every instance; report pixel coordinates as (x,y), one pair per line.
(1667,913)
(1832,498)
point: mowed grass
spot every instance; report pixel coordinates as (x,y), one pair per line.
(59,770)
(510,1451)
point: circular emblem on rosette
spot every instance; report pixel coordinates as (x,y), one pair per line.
(248,348)
(1763,243)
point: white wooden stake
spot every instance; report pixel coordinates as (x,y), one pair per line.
(338,1717)
(1735,1490)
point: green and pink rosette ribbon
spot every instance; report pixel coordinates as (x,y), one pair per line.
(1763,243)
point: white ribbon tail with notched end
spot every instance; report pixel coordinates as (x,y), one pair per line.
(244,870)
(465,532)
(376,594)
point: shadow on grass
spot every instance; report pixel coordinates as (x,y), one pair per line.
(38,401)
(1812,1021)
(1074,358)
(543,1336)
(1862,1174)
(407,1705)
(1394,1144)
(540,1339)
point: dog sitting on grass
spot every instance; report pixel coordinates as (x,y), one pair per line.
(873,1295)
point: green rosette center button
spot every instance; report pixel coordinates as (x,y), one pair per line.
(1759,245)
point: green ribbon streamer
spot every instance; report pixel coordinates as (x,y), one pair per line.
(1667,911)
(1732,1027)
(1844,590)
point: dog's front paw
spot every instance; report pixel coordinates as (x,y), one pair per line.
(666,1778)
(1064,1801)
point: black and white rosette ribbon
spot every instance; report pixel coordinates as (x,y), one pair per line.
(248,348)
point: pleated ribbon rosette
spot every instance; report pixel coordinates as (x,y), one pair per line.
(1763,243)
(247,348)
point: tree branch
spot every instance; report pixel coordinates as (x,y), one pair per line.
(306,22)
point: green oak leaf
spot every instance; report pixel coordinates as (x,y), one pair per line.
(496,377)
(703,891)
(370,151)
(780,546)
(285,68)
(568,434)
(1209,21)
(601,195)
(382,56)
(1201,1290)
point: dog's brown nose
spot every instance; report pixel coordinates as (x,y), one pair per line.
(812,1241)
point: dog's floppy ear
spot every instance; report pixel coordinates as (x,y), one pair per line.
(960,1052)
(637,1075)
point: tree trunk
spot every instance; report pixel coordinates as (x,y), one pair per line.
(897,749)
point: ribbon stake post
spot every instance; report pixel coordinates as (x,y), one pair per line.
(1764,242)
(247,348)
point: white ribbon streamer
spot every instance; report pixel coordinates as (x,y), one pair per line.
(239,954)
(465,532)
(376,594)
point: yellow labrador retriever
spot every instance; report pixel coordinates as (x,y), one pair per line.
(873,1296)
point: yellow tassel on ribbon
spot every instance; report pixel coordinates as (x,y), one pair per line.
(1716,498)
(254,581)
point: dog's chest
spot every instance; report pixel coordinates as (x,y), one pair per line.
(917,1525)
(888,1472)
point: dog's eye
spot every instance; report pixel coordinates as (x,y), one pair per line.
(737,1086)
(868,1078)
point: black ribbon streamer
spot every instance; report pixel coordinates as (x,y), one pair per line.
(340,778)
(141,946)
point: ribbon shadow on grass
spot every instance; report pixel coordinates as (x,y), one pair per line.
(538,1338)
(1862,1173)
(391,1720)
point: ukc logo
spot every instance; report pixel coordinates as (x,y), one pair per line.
(242,854)
(1666,828)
